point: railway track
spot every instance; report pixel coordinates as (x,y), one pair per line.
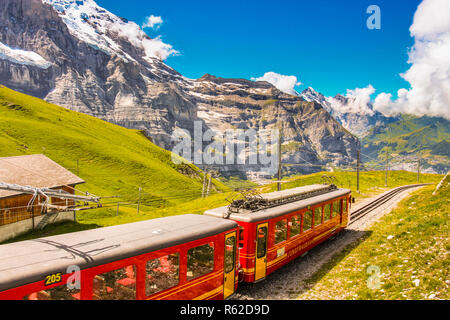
(366,209)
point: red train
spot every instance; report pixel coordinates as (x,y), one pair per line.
(185,257)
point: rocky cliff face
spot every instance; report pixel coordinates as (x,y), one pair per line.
(80,56)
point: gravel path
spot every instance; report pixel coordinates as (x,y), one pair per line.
(290,281)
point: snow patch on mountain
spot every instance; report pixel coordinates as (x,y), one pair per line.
(102,30)
(23,57)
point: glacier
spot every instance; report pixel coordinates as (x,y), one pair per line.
(23,57)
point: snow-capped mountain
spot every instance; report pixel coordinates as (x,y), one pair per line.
(354,112)
(78,55)
(107,32)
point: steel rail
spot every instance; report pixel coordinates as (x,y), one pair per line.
(366,209)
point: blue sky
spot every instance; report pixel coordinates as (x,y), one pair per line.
(324,43)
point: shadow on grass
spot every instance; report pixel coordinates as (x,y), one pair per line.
(53,230)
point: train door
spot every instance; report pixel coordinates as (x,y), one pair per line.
(229,265)
(261,251)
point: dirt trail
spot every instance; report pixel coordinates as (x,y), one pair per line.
(290,281)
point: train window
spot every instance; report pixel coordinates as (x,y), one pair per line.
(119,284)
(200,261)
(261,245)
(281,231)
(162,273)
(57,293)
(344,205)
(336,208)
(317,216)
(296,225)
(327,212)
(307,221)
(230,254)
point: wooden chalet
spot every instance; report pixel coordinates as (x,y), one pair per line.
(36,171)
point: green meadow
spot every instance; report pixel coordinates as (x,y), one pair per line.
(404,256)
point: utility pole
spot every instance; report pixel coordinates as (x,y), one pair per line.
(387,168)
(139,202)
(204,183)
(357,172)
(209,184)
(418,170)
(279,160)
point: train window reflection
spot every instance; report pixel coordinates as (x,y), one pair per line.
(296,223)
(327,212)
(307,221)
(281,231)
(162,273)
(230,254)
(119,284)
(57,293)
(336,208)
(317,216)
(261,242)
(200,261)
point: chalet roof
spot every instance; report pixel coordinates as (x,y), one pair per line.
(35,171)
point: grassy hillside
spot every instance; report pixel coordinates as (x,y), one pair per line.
(408,138)
(408,248)
(114,161)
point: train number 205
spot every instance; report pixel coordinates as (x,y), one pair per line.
(53,278)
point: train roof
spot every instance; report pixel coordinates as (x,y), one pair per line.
(30,261)
(274,212)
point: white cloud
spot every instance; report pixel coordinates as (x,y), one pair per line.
(152,47)
(382,102)
(357,101)
(152,22)
(429,75)
(281,82)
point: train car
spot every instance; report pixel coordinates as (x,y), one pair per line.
(175,258)
(284,225)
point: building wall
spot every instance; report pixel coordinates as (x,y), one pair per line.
(14,209)
(14,230)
